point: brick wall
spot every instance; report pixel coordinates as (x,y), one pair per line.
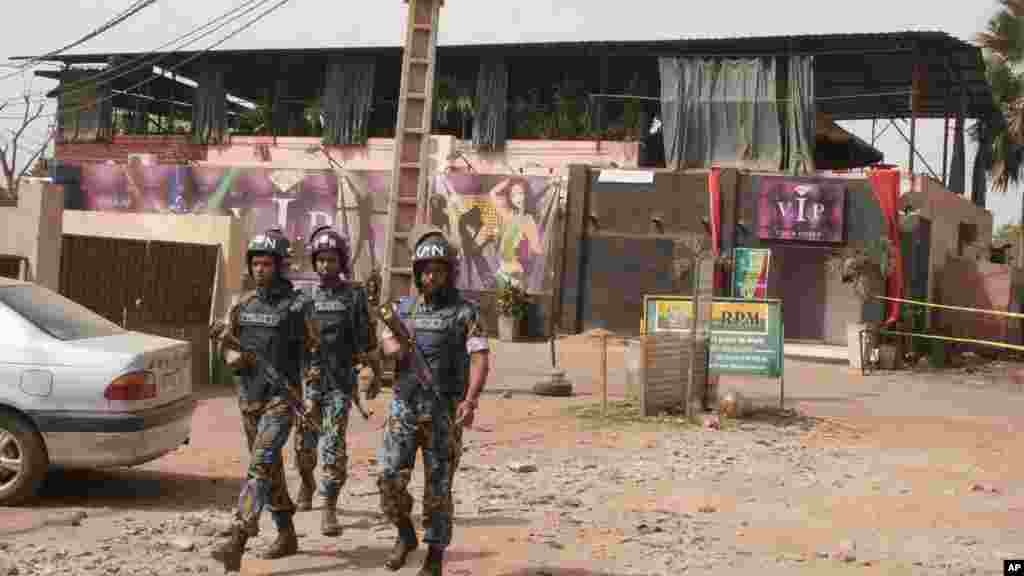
(165,149)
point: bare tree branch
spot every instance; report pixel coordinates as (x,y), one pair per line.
(35,155)
(9,152)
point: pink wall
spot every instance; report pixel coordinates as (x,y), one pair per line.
(538,157)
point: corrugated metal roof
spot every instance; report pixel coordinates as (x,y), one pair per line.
(806,43)
(850,64)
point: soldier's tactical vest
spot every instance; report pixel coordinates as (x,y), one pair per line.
(267,324)
(443,343)
(334,309)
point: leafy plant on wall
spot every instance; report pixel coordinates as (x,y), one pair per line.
(313,118)
(511,299)
(453,106)
(570,114)
(255,121)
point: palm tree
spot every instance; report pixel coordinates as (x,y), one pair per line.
(1003,45)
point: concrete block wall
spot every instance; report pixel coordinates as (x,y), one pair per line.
(33,230)
(947,211)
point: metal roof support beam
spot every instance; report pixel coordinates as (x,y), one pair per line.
(913,150)
(915,101)
(948,67)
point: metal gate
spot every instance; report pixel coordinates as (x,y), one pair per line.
(12,266)
(162,288)
(626,237)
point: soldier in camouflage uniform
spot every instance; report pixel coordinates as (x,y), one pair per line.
(268,321)
(447,330)
(339,312)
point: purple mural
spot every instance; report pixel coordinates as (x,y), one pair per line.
(295,200)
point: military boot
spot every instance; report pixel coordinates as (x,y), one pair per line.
(433,563)
(405,544)
(230,552)
(304,500)
(287,543)
(329,520)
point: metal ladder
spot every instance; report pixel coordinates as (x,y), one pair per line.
(408,195)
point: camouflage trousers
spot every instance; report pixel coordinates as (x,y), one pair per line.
(406,432)
(334,409)
(266,432)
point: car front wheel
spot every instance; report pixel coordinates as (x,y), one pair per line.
(23,460)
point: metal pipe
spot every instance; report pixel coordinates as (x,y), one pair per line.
(945,148)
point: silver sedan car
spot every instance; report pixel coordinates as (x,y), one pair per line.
(78,391)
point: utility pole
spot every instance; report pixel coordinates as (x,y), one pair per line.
(410,167)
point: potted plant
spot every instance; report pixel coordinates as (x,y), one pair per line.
(864,266)
(512,302)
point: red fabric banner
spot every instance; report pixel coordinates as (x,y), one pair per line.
(885,183)
(715,195)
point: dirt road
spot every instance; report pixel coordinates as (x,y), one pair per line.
(889,474)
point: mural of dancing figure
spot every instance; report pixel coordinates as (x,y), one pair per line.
(449,212)
(518,236)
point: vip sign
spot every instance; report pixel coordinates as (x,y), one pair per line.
(804,206)
(802,209)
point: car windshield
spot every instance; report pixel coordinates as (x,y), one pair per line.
(56,315)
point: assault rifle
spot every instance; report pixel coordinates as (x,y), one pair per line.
(271,373)
(388,314)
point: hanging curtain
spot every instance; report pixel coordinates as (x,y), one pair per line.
(490,118)
(720,112)
(209,106)
(800,116)
(348,97)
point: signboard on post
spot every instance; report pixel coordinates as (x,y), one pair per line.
(703,290)
(750,272)
(746,335)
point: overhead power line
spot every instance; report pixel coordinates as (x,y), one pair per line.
(204,51)
(144,61)
(132,10)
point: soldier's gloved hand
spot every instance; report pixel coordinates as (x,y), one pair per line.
(312,376)
(465,413)
(312,408)
(373,388)
(240,361)
(217,329)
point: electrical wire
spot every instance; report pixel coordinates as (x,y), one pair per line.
(95,78)
(248,24)
(132,10)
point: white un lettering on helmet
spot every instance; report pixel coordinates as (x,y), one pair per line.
(430,251)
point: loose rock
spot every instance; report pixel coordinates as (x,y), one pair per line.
(183,544)
(847,551)
(522,467)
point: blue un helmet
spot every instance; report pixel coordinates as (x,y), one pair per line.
(326,238)
(430,243)
(267,245)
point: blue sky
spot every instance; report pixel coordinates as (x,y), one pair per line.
(305,23)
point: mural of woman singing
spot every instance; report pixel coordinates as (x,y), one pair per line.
(519,239)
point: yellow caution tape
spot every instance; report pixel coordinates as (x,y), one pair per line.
(952,339)
(961,308)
